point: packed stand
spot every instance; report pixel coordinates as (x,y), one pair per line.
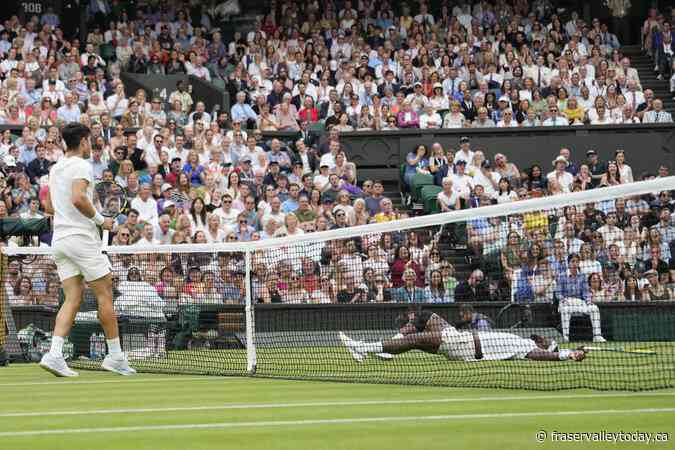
(195,177)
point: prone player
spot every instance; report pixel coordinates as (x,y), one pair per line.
(432,334)
(76,245)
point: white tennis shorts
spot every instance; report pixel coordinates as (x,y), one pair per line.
(79,254)
(496,346)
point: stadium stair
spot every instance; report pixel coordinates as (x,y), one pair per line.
(645,67)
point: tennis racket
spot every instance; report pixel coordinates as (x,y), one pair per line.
(631,351)
(112,199)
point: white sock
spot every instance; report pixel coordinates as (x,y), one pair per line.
(564,354)
(371,347)
(114,347)
(57,346)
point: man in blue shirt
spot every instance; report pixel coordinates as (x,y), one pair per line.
(69,112)
(574,296)
(243,112)
(291,203)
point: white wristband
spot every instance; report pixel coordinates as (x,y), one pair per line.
(98,219)
(564,354)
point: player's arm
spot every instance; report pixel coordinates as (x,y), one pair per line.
(83,204)
(48,206)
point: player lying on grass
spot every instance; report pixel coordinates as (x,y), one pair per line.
(432,334)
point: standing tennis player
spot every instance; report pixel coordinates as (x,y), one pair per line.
(76,245)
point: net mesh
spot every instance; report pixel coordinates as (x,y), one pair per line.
(497,296)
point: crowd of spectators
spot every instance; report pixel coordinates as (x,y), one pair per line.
(194,176)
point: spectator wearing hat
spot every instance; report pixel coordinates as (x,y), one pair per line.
(560,176)
(502,105)
(438,100)
(462,183)
(654,289)
(464,153)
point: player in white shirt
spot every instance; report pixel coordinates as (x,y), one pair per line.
(77,252)
(430,333)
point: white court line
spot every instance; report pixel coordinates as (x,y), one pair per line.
(260,424)
(123,380)
(329,404)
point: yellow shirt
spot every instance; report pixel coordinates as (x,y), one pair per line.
(574,114)
(536,221)
(381,217)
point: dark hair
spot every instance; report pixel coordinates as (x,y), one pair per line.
(202,214)
(442,286)
(73,133)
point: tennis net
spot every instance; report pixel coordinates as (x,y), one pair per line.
(482,297)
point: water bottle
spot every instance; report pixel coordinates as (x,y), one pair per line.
(92,346)
(152,341)
(101,348)
(160,344)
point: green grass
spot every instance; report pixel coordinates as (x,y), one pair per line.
(601,370)
(434,417)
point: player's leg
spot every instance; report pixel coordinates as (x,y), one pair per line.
(53,361)
(115,360)
(427,342)
(435,323)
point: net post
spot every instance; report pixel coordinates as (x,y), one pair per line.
(251,360)
(8,333)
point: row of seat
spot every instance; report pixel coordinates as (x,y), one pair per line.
(423,192)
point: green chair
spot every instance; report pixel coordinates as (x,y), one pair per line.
(107,52)
(218,83)
(419,180)
(429,195)
(317,127)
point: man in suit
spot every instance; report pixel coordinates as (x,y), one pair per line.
(468,107)
(324,147)
(657,114)
(304,155)
(664,55)
(309,138)
(39,166)
(132,117)
(327,109)
(389,82)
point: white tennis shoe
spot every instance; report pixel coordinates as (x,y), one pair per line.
(353,347)
(118,365)
(57,366)
(599,339)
